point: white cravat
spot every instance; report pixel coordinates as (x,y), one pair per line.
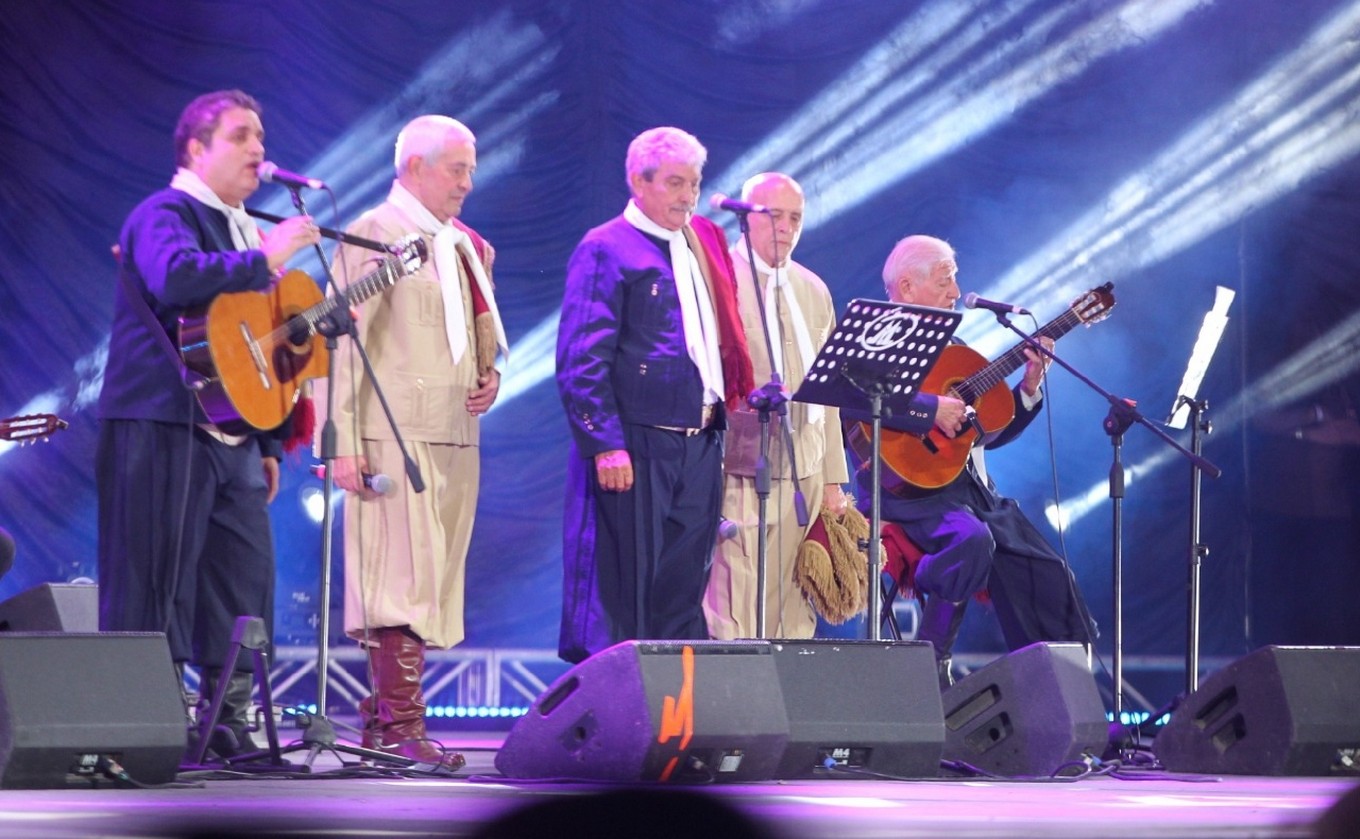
(245,234)
(696,307)
(448,241)
(778,280)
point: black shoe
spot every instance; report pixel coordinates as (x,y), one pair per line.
(946,673)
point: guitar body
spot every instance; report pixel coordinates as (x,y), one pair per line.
(919,468)
(240,342)
(919,465)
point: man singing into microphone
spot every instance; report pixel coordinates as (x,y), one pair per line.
(433,338)
(801,315)
(650,355)
(971,537)
(184,537)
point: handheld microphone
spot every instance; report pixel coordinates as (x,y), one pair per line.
(732,205)
(727,529)
(271,173)
(379,482)
(972,301)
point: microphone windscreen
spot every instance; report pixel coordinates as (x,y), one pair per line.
(380,484)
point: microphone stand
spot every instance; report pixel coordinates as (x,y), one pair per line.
(318,732)
(769,398)
(1122,415)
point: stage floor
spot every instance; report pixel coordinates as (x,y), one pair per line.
(1142,803)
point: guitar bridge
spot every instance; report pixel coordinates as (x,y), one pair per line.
(258,357)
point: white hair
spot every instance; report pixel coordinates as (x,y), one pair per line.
(655,146)
(425,137)
(914,257)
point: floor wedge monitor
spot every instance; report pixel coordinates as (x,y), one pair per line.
(71,703)
(1027,713)
(1275,711)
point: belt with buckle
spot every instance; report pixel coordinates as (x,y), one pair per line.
(705,419)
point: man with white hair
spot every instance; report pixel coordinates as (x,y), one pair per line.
(650,356)
(433,338)
(972,538)
(801,315)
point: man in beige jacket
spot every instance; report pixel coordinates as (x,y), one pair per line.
(802,316)
(433,338)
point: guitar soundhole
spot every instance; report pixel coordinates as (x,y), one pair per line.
(299,333)
(290,360)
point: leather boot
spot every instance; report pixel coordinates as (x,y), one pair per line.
(940,622)
(394,716)
(231,736)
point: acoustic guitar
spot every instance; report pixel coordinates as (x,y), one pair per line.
(254,349)
(920,464)
(30,428)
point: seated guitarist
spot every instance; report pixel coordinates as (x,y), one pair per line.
(972,538)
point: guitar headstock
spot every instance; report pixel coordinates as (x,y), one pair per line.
(410,251)
(30,428)
(1095,305)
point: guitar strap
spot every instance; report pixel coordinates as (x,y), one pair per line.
(192,381)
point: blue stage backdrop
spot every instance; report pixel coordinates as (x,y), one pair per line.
(1169,146)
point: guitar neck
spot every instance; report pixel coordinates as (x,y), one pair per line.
(971,388)
(385,276)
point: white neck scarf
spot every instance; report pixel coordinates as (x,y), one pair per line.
(245,234)
(448,241)
(696,307)
(778,281)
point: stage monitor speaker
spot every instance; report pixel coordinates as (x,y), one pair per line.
(862,706)
(69,699)
(1275,711)
(697,711)
(52,607)
(1027,713)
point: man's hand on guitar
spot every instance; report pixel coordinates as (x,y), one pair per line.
(614,470)
(287,238)
(949,416)
(1036,367)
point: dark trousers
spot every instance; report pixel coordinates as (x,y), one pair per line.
(973,539)
(637,565)
(184,538)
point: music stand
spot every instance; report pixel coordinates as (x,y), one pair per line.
(875,361)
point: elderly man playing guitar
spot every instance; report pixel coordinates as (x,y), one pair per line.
(970,537)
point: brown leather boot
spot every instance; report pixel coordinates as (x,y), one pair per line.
(394,716)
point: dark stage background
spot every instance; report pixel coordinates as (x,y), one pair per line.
(1168,146)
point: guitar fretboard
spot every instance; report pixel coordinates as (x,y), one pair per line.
(972,388)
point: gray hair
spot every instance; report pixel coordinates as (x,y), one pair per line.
(425,137)
(914,257)
(656,146)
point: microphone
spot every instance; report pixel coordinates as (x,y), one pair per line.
(379,483)
(727,529)
(972,301)
(732,205)
(271,173)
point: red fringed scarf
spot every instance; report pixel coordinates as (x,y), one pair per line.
(738,373)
